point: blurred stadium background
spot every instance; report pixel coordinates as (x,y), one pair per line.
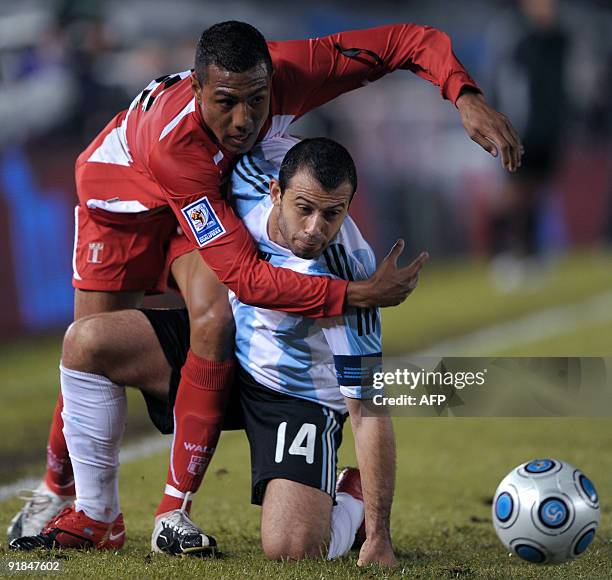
(66,66)
(494,285)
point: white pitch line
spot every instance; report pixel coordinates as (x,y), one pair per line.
(131,452)
(7,491)
(529,328)
(139,449)
(144,447)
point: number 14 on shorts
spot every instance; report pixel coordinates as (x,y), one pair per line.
(303,443)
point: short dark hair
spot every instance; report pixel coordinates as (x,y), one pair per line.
(233,46)
(328,162)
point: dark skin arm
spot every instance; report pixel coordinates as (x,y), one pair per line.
(492,130)
(390,285)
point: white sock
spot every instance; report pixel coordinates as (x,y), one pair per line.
(346,517)
(94,415)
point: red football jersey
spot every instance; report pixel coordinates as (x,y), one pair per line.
(159,152)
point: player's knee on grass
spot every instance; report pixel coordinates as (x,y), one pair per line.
(295,521)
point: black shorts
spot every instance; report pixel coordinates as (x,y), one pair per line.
(289,438)
(171,327)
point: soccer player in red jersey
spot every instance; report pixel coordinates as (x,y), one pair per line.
(166,157)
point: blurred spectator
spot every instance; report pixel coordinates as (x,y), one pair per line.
(38,88)
(539,56)
(67,66)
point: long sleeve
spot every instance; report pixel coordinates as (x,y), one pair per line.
(228,249)
(317,70)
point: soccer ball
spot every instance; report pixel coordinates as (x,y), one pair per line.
(546,511)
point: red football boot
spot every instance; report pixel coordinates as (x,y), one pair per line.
(349,481)
(72,529)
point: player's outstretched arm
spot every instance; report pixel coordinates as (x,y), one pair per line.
(389,285)
(256,282)
(492,130)
(192,189)
(229,250)
(323,68)
(326,67)
(375,447)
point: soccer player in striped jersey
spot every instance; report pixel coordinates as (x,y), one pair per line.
(260,195)
(298,376)
(166,157)
(297,379)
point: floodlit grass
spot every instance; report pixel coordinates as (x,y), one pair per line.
(29,379)
(452,300)
(594,340)
(448,469)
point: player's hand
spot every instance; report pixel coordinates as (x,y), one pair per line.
(490,129)
(389,285)
(377,551)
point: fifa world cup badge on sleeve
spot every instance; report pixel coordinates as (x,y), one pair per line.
(203,221)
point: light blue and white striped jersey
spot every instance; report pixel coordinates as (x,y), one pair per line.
(321,360)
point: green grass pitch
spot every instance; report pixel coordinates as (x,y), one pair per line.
(447,468)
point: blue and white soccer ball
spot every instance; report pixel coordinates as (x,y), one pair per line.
(546,511)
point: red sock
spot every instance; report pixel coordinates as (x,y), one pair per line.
(199,409)
(58,476)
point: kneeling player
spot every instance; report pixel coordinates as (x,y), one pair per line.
(293,409)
